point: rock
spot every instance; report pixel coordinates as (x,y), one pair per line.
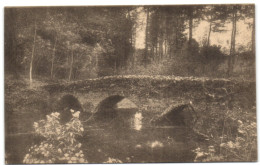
(125,104)
(177,115)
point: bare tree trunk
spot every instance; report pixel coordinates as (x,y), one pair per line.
(53,57)
(152,55)
(71,65)
(161,48)
(165,47)
(208,41)
(176,35)
(190,24)
(146,37)
(233,42)
(96,60)
(156,51)
(33,48)
(253,35)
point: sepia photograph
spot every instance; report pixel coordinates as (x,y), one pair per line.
(130,84)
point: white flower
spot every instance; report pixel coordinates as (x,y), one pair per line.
(155,144)
(55,114)
(72,111)
(79,145)
(76,114)
(81,160)
(26,156)
(240,130)
(35,124)
(48,118)
(240,122)
(211,149)
(222,145)
(230,144)
(253,124)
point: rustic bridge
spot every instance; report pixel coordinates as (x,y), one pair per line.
(154,94)
(159,87)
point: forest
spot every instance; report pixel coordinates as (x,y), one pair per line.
(130,84)
(75,43)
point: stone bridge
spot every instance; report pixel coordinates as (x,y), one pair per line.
(145,90)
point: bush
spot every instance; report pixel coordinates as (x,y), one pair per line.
(60,144)
(242,148)
(211,53)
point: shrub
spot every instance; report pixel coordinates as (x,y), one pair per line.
(242,148)
(60,144)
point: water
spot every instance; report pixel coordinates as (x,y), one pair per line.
(136,143)
(147,145)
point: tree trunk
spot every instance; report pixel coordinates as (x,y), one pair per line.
(71,65)
(253,35)
(208,41)
(156,51)
(161,48)
(165,47)
(33,48)
(152,52)
(233,42)
(53,57)
(176,35)
(190,24)
(146,37)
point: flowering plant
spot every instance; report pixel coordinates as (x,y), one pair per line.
(60,144)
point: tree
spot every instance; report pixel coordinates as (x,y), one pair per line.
(249,12)
(32,58)
(146,36)
(10,44)
(194,14)
(234,16)
(215,15)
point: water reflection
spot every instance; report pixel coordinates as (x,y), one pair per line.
(155,144)
(137,144)
(138,121)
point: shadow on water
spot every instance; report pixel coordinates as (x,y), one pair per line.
(146,145)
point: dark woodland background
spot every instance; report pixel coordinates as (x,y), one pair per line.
(72,43)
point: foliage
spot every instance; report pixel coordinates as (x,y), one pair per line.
(243,145)
(60,144)
(66,47)
(242,148)
(82,42)
(211,53)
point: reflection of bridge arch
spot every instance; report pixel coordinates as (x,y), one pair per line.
(112,106)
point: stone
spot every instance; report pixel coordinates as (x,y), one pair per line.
(177,115)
